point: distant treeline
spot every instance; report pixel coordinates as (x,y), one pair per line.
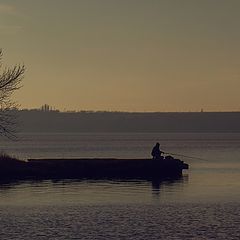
(55,121)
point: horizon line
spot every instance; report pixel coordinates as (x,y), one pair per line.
(119,111)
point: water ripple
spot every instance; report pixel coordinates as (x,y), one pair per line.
(167,221)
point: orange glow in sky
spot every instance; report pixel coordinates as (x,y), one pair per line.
(159,55)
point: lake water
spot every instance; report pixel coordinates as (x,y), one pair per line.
(203,204)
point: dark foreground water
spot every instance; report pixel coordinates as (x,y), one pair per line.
(122,221)
(203,204)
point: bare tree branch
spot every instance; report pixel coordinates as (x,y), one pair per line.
(10,81)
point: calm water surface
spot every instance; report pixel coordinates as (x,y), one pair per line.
(203,204)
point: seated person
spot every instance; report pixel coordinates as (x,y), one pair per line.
(156,152)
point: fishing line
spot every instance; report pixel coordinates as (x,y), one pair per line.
(180,155)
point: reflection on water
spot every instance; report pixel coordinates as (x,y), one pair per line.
(64,192)
(71,209)
(171,184)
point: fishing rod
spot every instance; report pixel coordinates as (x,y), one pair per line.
(180,155)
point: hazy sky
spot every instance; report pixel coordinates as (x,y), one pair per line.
(130,55)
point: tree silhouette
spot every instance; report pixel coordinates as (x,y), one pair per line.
(10,81)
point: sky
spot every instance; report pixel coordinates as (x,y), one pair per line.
(124,55)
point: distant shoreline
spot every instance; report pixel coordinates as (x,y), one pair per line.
(183,122)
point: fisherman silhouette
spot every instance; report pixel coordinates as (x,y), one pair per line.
(156,152)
